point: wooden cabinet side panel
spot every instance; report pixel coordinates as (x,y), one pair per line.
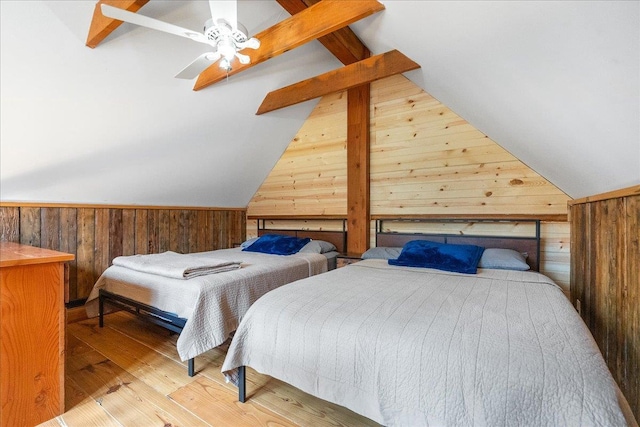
(32,343)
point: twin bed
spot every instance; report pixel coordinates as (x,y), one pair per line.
(205,309)
(401,345)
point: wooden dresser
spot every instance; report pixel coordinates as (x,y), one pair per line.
(32,334)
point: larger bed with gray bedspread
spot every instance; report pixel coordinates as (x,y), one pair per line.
(415,346)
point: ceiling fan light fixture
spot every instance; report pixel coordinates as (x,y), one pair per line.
(227,48)
(225,64)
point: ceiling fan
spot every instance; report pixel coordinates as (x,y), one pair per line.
(324,20)
(222,32)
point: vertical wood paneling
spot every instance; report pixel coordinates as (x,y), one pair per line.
(192,236)
(50,228)
(142,241)
(115,236)
(10,224)
(97,235)
(240,232)
(69,243)
(154,231)
(203,234)
(174,230)
(605,277)
(102,242)
(608,276)
(86,251)
(631,307)
(128,231)
(581,259)
(164,225)
(30,226)
(219,234)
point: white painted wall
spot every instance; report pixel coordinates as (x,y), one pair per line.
(554,82)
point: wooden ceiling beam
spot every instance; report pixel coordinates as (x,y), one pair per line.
(342,43)
(101,26)
(316,21)
(366,71)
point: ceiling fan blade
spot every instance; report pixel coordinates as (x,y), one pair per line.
(203,61)
(225,9)
(252,43)
(145,21)
(244,59)
(316,21)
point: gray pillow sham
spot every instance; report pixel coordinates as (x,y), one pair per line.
(382,252)
(503,259)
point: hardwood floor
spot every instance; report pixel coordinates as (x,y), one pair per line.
(129,373)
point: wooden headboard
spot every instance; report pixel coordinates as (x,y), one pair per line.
(337,237)
(524,244)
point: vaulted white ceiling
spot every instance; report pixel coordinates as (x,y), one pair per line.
(554,82)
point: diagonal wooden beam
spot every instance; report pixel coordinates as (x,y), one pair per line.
(101,26)
(316,21)
(342,43)
(375,68)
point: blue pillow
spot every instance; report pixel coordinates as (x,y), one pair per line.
(424,253)
(277,244)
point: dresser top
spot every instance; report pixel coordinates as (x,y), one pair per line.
(12,254)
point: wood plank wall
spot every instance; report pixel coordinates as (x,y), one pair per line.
(96,235)
(605,282)
(424,160)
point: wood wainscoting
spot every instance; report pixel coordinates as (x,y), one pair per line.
(605,280)
(97,234)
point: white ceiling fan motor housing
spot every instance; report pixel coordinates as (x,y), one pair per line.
(221,30)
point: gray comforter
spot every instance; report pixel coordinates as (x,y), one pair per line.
(212,304)
(412,347)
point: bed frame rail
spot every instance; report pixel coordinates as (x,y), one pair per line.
(529,244)
(150,314)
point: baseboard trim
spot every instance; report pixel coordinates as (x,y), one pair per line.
(76,314)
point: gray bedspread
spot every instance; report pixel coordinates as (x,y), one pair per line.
(212,304)
(421,347)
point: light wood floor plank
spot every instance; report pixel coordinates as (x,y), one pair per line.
(129,373)
(84,410)
(293,404)
(162,373)
(125,397)
(218,405)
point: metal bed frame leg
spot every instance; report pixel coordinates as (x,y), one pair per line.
(191,367)
(242,385)
(101,311)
